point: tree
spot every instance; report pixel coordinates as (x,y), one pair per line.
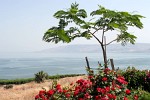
(72,24)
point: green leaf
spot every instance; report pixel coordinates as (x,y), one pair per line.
(63,35)
(86,35)
(125,38)
(115,25)
(60,14)
(82,13)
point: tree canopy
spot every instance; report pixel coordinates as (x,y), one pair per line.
(72,24)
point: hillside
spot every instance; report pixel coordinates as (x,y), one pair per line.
(94,48)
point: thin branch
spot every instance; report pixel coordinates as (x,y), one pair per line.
(96,38)
(111,41)
(96,30)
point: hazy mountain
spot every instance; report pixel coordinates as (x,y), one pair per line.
(139,47)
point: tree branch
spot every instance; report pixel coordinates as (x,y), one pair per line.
(96,30)
(111,41)
(96,38)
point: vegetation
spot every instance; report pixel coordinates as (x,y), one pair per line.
(144,95)
(104,85)
(23,81)
(73,24)
(41,76)
(16,81)
(137,78)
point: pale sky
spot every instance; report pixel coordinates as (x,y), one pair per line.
(23,22)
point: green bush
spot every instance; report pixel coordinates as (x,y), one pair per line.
(41,76)
(137,78)
(144,96)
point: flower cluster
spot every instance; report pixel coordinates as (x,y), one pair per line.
(106,85)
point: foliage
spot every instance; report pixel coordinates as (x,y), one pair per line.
(27,80)
(16,81)
(137,78)
(41,76)
(105,85)
(63,76)
(73,24)
(144,95)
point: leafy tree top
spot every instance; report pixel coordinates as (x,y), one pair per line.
(72,25)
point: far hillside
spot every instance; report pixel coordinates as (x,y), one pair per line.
(95,48)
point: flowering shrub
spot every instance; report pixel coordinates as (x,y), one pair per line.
(106,85)
(137,78)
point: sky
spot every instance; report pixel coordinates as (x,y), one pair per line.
(24,22)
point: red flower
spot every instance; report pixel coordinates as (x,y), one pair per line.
(135,97)
(98,89)
(37,97)
(97,97)
(67,95)
(121,80)
(90,77)
(104,79)
(112,88)
(64,91)
(60,90)
(87,96)
(128,91)
(76,93)
(58,86)
(106,70)
(111,96)
(42,93)
(107,89)
(101,90)
(104,98)
(43,98)
(125,98)
(80,99)
(50,92)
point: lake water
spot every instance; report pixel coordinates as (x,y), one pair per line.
(25,65)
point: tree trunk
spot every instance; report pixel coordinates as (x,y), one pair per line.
(103,46)
(104,56)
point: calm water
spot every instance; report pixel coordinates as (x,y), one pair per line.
(23,65)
